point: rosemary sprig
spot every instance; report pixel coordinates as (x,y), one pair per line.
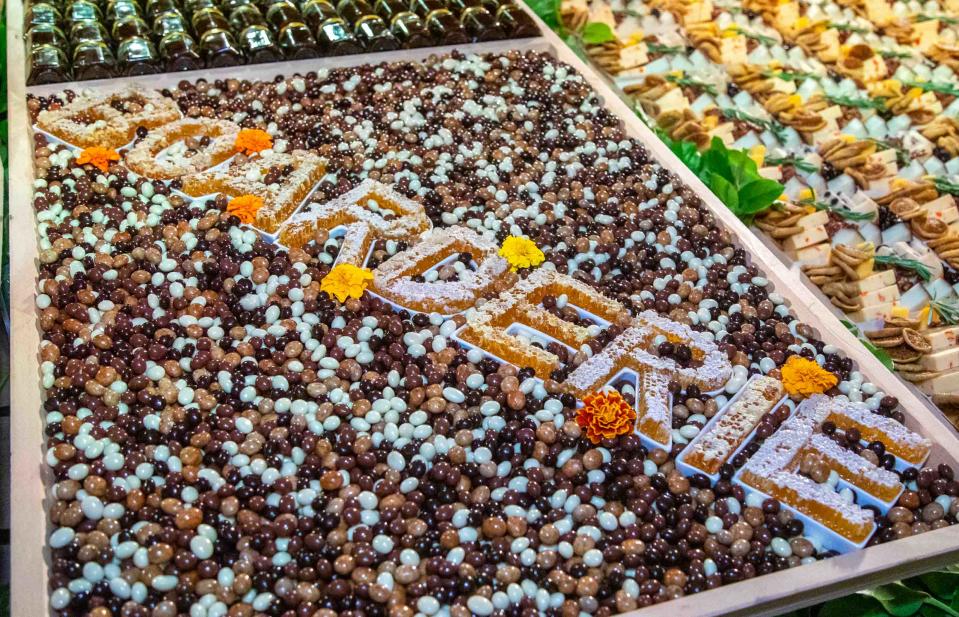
(952,21)
(844,213)
(902,155)
(762,38)
(659,48)
(945,186)
(789,75)
(947,309)
(934,86)
(858,102)
(895,55)
(772,126)
(692,83)
(792,161)
(906,264)
(849,28)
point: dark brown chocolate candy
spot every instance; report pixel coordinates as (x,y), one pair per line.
(297,42)
(46,34)
(336,38)
(480,25)
(47,65)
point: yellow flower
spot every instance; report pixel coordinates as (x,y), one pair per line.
(346,281)
(245,208)
(251,141)
(605,415)
(98,157)
(521,253)
(804,377)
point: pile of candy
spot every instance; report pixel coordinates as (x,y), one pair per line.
(497,361)
(853,107)
(87,39)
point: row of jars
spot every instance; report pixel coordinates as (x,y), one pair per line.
(81,39)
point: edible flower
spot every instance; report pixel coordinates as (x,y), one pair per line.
(605,415)
(251,141)
(521,253)
(804,377)
(98,157)
(245,208)
(346,281)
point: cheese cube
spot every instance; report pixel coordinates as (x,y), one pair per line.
(847,236)
(925,34)
(829,46)
(733,50)
(814,219)
(877,280)
(816,255)
(633,56)
(939,289)
(771,173)
(899,232)
(787,14)
(871,232)
(946,337)
(860,202)
(943,208)
(878,12)
(726,132)
(674,100)
(942,383)
(806,237)
(915,299)
(874,69)
(602,13)
(880,296)
(782,85)
(699,12)
(941,360)
(833,112)
(869,313)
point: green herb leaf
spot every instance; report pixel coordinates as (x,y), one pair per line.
(756,196)
(946,186)
(952,21)
(906,264)
(897,599)
(947,309)
(857,102)
(547,10)
(772,126)
(895,55)
(693,83)
(883,356)
(849,28)
(716,160)
(933,86)
(793,162)
(724,190)
(657,48)
(596,33)
(942,583)
(852,606)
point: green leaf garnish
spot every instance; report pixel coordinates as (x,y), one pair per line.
(772,126)
(793,162)
(692,83)
(947,309)
(895,55)
(857,102)
(789,75)
(849,28)
(934,86)
(658,48)
(547,10)
(945,186)
(844,213)
(952,21)
(597,33)
(906,264)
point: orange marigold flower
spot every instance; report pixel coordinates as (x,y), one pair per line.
(245,208)
(98,157)
(804,377)
(346,281)
(605,415)
(251,141)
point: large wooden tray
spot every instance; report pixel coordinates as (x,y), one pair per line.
(767,595)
